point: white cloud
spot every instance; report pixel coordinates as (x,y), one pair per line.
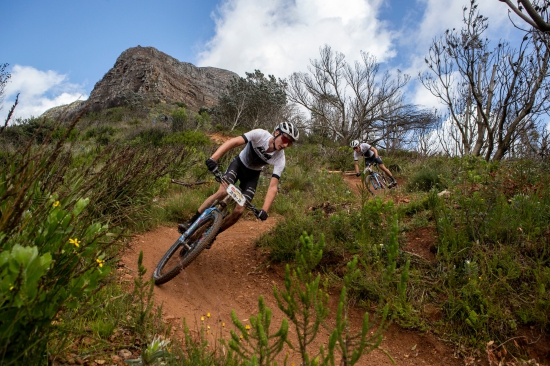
(423,97)
(38,91)
(282,36)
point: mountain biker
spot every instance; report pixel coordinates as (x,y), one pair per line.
(371,156)
(262,148)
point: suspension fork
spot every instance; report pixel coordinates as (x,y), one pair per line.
(376,180)
(196,224)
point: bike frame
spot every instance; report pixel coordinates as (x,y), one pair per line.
(209,210)
(375,175)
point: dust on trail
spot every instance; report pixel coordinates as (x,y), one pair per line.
(234,273)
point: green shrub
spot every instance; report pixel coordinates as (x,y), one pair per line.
(202,120)
(102,134)
(341,158)
(187,139)
(115,114)
(56,245)
(425,180)
(152,135)
(62,269)
(58,134)
(39,129)
(179,119)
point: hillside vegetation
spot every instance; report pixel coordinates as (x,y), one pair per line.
(72,194)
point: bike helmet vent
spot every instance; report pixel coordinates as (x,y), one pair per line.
(289,129)
(354,144)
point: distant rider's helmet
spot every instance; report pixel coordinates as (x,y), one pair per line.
(289,129)
(354,144)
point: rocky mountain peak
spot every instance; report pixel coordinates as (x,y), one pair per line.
(145,75)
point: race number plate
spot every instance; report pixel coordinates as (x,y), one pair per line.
(236,194)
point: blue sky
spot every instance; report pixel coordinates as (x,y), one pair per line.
(57,50)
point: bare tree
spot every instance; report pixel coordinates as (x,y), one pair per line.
(4,78)
(354,101)
(536,12)
(492,96)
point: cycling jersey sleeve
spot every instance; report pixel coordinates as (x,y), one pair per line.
(278,167)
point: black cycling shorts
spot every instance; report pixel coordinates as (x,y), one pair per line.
(372,159)
(248,178)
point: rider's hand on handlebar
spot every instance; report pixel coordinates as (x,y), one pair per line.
(357,174)
(211,164)
(262,215)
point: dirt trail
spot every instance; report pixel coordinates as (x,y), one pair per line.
(234,273)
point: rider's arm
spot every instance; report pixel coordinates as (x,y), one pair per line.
(228,145)
(356,166)
(373,149)
(271,193)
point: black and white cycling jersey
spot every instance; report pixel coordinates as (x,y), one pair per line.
(365,151)
(254,155)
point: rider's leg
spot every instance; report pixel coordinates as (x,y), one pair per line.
(232,218)
(389,174)
(380,163)
(220,194)
(387,171)
(229,220)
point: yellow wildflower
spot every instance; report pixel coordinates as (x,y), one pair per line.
(56,203)
(208,315)
(202,318)
(75,242)
(247,327)
(100,262)
(223,324)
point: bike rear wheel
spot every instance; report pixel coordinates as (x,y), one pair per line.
(384,179)
(178,256)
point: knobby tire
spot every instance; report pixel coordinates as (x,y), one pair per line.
(199,240)
(385,179)
(371,183)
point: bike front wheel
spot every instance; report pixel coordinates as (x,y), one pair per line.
(374,183)
(182,253)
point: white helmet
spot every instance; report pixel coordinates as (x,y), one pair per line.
(354,144)
(290,129)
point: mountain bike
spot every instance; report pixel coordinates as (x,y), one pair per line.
(200,234)
(375,179)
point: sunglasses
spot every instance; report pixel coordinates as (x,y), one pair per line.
(286,139)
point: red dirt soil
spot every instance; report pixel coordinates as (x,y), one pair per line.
(234,273)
